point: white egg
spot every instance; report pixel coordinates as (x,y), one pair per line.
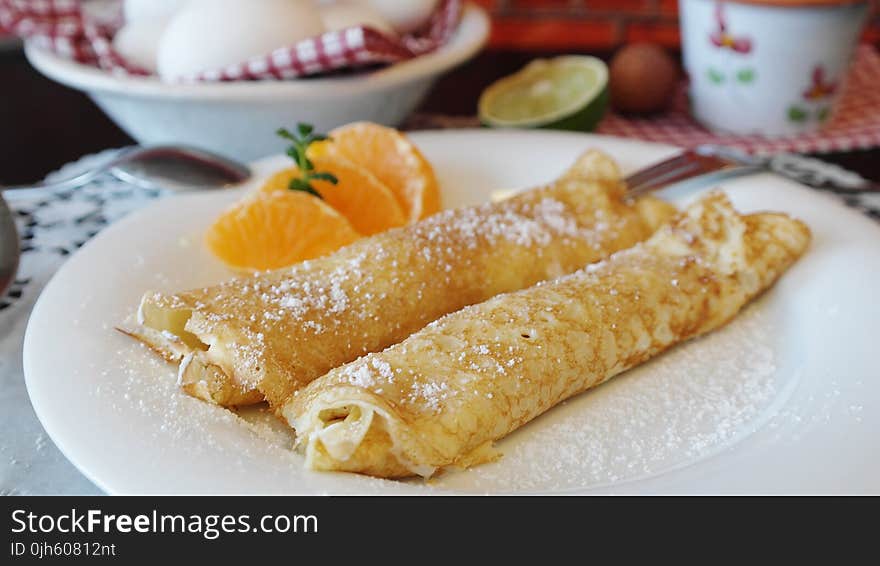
(147,10)
(138,42)
(345,14)
(405,16)
(211,34)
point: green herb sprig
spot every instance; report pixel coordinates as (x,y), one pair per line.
(298,151)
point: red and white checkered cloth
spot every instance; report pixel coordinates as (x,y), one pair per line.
(68,28)
(856,124)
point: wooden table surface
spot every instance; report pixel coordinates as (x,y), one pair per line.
(46,125)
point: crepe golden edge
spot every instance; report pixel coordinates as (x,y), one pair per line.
(229,355)
(442,397)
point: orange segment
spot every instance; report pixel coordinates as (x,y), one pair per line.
(392,158)
(368,205)
(277,230)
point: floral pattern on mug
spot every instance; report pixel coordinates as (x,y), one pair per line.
(816,103)
(820,87)
(723,39)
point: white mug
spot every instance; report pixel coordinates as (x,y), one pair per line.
(773,67)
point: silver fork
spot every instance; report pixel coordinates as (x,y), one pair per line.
(723,162)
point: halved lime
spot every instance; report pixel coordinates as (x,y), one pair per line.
(565,93)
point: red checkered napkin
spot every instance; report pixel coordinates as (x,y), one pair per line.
(856,124)
(68,28)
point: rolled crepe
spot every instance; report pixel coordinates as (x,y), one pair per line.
(445,394)
(271,334)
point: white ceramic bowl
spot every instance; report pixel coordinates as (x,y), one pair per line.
(771,67)
(239,119)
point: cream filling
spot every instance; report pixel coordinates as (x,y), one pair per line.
(172,332)
(141,318)
(184,365)
(342,437)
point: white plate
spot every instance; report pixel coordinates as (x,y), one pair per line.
(784,399)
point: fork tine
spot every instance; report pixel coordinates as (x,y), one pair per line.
(683,172)
(686,165)
(644,175)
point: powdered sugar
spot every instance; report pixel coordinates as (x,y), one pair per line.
(430,393)
(368,372)
(298,298)
(528,225)
(138,385)
(360,376)
(384,369)
(680,407)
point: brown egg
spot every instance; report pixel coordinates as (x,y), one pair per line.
(643,78)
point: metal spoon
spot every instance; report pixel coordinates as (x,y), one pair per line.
(176,167)
(179,168)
